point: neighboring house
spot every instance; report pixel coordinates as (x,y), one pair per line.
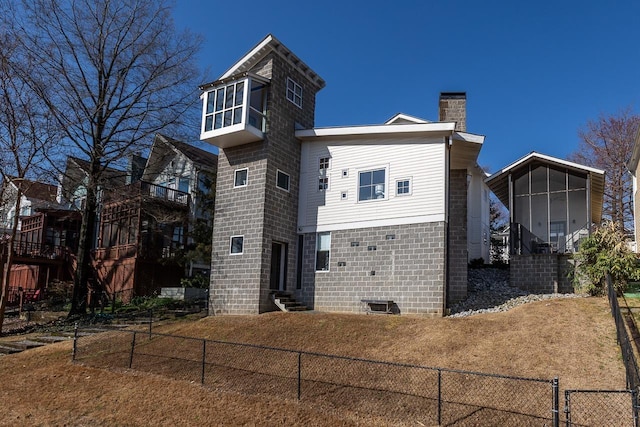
(144,224)
(46,239)
(634,168)
(553,205)
(478,227)
(35,195)
(336,215)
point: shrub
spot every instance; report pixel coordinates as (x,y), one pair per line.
(605,252)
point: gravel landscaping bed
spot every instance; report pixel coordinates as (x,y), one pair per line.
(489,291)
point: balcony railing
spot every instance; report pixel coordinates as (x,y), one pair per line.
(148,189)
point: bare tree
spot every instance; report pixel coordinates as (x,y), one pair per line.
(26,131)
(607,143)
(117,72)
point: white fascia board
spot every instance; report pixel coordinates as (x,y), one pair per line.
(469,137)
(635,155)
(372,223)
(248,56)
(374,130)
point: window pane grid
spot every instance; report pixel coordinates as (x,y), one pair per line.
(224,106)
(294,92)
(372,185)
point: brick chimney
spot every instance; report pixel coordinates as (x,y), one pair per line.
(453,108)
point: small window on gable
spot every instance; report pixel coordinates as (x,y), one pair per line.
(241,178)
(236,245)
(403,187)
(282,180)
(294,92)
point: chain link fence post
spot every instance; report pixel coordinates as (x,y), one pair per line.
(133,345)
(299,374)
(634,403)
(439,414)
(567,409)
(556,402)
(204,358)
(75,341)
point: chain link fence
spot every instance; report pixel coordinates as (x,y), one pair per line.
(399,393)
(601,408)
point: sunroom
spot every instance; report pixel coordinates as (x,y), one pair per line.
(234,110)
(552,203)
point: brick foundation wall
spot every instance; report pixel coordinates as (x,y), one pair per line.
(410,269)
(542,273)
(458,249)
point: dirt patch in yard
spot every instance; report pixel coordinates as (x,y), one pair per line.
(573,339)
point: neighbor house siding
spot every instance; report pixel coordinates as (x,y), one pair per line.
(420,161)
(404,263)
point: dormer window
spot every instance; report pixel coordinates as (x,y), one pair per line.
(234,112)
(294,92)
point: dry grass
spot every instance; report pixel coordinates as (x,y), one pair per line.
(572,338)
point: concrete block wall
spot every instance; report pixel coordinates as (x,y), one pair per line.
(281,207)
(408,269)
(239,211)
(458,249)
(541,273)
(261,212)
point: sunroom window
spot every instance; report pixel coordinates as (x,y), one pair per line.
(234,112)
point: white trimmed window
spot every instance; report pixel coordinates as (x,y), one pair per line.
(372,184)
(323,183)
(236,245)
(323,251)
(323,164)
(294,92)
(282,180)
(241,178)
(403,187)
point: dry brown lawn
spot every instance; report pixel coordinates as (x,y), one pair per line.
(573,339)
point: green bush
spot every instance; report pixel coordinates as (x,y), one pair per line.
(605,252)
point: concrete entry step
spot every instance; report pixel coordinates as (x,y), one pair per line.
(286,302)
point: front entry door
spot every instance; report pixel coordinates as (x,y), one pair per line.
(278,266)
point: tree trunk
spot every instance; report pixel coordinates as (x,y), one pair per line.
(85,244)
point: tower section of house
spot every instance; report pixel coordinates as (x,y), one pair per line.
(251,113)
(383,215)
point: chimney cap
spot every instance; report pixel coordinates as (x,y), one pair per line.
(453,95)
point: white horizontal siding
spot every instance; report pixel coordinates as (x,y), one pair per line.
(423,162)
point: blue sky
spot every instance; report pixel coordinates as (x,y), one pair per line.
(534,72)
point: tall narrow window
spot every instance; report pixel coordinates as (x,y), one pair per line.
(294,92)
(241,178)
(323,183)
(323,250)
(323,164)
(282,180)
(236,245)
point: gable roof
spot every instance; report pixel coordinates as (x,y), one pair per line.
(259,52)
(193,153)
(499,181)
(35,189)
(403,119)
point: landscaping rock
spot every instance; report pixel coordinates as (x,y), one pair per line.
(489,292)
